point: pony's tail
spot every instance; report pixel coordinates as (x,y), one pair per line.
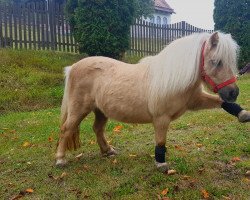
(73,141)
(64,107)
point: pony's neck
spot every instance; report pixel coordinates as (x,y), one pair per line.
(176,67)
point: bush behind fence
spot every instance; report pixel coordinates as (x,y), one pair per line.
(42,25)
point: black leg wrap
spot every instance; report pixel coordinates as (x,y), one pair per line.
(160,154)
(232,108)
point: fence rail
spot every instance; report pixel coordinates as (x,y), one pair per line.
(149,39)
(42,25)
(35,25)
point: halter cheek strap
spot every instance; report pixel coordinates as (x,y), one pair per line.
(206,78)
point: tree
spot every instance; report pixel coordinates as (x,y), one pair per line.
(234,17)
(102,27)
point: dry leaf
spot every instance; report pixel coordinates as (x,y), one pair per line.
(92,142)
(132,155)
(185,177)
(178,147)
(199,145)
(109,141)
(29,190)
(248,173)
(235,159)
(63,175)
(114,161)
(26,144)
(246,180)
(171,172)
(50,139)
(79,156)
(205,194)
(164,192)
(118,128)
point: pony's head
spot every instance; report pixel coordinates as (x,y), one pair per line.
(218,65)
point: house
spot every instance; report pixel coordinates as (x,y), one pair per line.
(162,14)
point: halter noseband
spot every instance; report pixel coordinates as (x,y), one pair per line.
(207,79)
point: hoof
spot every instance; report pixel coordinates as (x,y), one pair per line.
(61,162)
(162,167)
(111,152)
(244,116)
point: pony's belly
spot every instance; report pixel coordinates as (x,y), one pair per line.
(128,112)
(129,117)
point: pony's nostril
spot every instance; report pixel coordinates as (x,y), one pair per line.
(233,93)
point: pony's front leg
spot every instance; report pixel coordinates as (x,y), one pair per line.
(205,101)
(161,125)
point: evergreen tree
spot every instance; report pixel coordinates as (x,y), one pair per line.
(102,27)
(233,17)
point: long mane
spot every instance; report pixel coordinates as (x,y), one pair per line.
(176,67)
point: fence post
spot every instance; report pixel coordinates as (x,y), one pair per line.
(52,27)
(183,27)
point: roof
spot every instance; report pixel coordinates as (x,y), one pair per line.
(162,5)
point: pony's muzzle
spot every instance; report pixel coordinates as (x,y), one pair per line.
(229,93)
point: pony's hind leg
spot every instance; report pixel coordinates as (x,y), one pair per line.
(99,127)
(69,137)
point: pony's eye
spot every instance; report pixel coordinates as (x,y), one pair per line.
(216,63)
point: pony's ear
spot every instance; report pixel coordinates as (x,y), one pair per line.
(214,39)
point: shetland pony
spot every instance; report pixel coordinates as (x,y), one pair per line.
(157,90)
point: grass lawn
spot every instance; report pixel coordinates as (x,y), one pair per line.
(210,151)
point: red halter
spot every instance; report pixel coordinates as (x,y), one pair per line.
(207,79)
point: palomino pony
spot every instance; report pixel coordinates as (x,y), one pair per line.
(157,90)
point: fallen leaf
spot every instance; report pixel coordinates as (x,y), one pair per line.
(246,180)
(109,141)
(178,147)
(164,192)
(171,172)
(199,145)
(235,159)
(114,161)
(118,128)
(79,156)
(205,194)
(132,155)
(92,142)
(63,175)
(26,144)
(29,190)
(185,177)
(248,173)
(50,139)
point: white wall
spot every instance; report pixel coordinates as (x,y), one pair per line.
(168,16)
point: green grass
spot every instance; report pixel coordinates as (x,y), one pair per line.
(208,167)
(32,79)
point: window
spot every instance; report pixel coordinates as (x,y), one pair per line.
(158,20)
(152,20)
(165,21)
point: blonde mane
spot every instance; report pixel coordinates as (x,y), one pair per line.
(176,67)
